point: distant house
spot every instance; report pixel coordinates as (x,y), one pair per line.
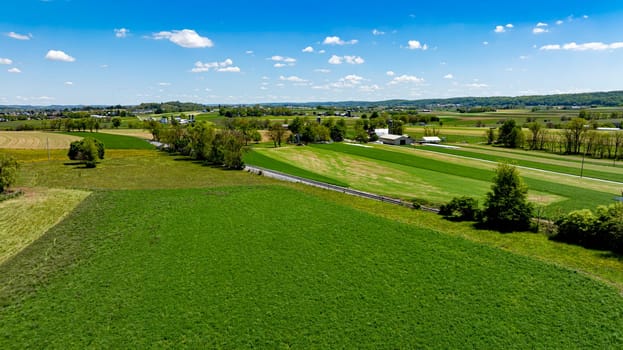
(390,139)
(430,139)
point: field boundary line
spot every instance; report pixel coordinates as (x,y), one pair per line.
(297,179)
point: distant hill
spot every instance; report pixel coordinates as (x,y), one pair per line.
(588,99)
(597,99)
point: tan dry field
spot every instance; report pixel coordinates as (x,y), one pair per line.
(140,133)
(35,140)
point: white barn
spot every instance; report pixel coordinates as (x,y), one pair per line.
(430,139)
(390,139)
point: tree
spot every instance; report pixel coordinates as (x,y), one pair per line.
(510,134)
(276,133)
(574,132)
(8,172)
(506,206)
(490,133)
(88,150)
(116,122)
(535,129)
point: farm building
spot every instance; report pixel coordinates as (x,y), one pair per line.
(430,139)
(381,132)
(390,139)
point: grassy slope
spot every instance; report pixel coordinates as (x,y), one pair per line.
(112,141)
(260,278)
(261,160)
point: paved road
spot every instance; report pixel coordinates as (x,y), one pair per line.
(291,178)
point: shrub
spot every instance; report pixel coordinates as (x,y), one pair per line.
(600,230)
(88,150)
(461,209)
(8,172)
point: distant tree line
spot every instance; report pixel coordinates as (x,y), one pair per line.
(577,136)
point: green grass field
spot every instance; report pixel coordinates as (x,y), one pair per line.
(191,268)
(165,252)
(112,141)
(533,161)
(408,174)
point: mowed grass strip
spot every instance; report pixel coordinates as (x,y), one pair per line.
(25,218)
(195,268)
(575,197)
(35,140)
(614,175)
(116,141)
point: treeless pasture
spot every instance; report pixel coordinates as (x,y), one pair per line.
(35,140)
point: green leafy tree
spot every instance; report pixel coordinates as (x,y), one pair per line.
(116,122)
(276,133)
(510,134)
(506,206)
(8,172)
(88,150)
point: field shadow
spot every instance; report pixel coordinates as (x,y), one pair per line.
(612,255)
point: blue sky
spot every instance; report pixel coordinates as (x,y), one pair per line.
(118,52)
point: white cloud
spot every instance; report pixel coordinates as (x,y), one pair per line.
(485,43)
(416,45)
(539,30)
(293,79)
(322,70)
(5,61)
(282,61)
(69,83)
(186,38)
(353,79)
(559,22)
(164,84)
(308,49)
(346,59)
(17,36)
(121,33)
(390,73)
(509,26)
(335,40)
(14,70)
(229,70)
(523,57)
(377,32)
(592,46)
(370,88)
(448,76)
(541,24)
(406,79)
(321,51)
(477,85)
(56,55)
(585,17)
(499,29)
(225,66)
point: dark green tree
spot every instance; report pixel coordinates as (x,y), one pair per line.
(8,172)
(506,206)
(116,122)
(510,134)
(88,150)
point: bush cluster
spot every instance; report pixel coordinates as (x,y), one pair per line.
(88,150)
(602,229)
(8,172)
(461,209)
